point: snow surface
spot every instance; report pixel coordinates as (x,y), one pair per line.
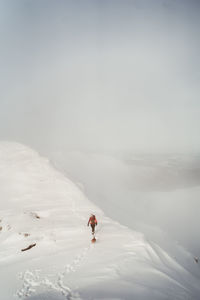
(40,205)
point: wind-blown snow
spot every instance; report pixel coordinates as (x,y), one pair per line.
(40,205)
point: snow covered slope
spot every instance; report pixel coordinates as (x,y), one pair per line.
(40,206)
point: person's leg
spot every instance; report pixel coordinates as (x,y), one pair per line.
(93,228)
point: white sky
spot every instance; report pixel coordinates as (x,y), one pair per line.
(101,75)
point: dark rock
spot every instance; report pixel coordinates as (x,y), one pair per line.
(29,247)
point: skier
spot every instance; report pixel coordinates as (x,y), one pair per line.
(93,222)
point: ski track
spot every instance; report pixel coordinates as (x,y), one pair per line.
(31,280)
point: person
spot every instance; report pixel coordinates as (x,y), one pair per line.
(93,222)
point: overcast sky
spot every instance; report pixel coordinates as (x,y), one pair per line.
(101,75)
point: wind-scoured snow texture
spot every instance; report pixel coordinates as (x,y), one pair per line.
(40,205)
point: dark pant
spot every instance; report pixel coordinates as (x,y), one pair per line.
(93,227)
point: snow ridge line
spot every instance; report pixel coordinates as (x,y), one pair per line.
(31,280)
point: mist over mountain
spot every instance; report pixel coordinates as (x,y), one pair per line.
(108,91)
(156,194)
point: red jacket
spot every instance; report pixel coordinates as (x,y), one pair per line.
(92,220)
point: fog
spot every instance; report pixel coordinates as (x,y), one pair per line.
(155,194)
(109,91)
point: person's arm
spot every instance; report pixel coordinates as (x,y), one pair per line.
(88,222)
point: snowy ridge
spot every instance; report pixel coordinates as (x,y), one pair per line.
(39,205)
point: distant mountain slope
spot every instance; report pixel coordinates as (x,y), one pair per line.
(40,206)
